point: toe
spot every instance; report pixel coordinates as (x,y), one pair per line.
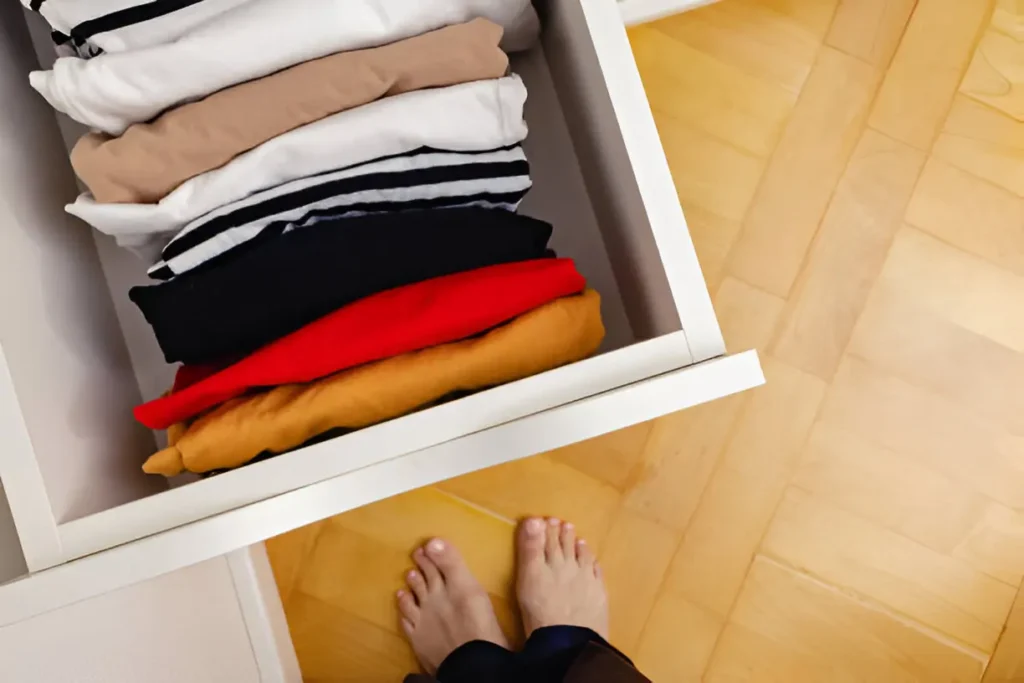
(417,584)
(408,627)
(449,560)
(568,540)
(531,541)
(407,606)
(552,546)
(429,570)
(584,555)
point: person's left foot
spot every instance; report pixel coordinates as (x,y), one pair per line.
(445,606)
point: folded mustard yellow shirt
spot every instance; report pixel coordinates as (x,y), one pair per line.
(285,417)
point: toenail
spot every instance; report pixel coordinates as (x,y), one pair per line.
(568,525)
(554,522)
(401,593)
(437,545)
(580,542)
(534,526)
(413,575)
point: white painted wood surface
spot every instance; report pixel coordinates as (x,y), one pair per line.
(184,626)
(629,178)
(12,559)
(264,616)
(641,11)
(66,358)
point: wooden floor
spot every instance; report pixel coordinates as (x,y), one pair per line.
(853,176)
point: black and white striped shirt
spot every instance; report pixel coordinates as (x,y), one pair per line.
(86,28)
(422,179)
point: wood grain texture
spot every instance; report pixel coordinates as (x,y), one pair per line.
(718,99)
(852,178)
(969,213)
(984,142)
(637,575)
(748,484)
(678,640)
(753,37)
(852,553)
(856,233)
(870,29)
(787,627)
(1007,664)
(802,173)
(929,63)
(995,77)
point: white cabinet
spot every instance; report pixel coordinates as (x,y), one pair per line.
(75,356)
(641,11)
(214,622)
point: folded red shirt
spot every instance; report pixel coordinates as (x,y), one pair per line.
(383,325)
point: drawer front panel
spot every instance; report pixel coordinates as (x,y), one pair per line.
(208,538)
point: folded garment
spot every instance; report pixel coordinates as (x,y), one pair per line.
(235,304)
(66,46)
(387,324)
(469,117)
(114,90)
(283,418)
(118,25)
(151,159)
(420,180)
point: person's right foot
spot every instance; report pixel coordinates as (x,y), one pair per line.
(558,580)
(445,606)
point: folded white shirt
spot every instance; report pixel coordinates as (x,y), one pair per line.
(114,90)
(482,115)
(119,25)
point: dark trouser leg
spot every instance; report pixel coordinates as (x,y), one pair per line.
(476,662)
(551,651)
(549,656)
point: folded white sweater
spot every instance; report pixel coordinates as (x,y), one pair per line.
(119,25)
(481,115)
(259,37)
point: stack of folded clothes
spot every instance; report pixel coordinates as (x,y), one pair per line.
(326,192)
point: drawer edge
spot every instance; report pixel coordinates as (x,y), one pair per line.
(208,538)
(641,11)
(373,445)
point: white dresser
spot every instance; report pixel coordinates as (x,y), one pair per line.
(101,539)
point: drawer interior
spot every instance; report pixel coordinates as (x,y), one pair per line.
(80,355)
(12,559)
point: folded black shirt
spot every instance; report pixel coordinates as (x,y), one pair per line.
(232,305)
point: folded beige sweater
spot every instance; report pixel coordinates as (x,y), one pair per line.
(151,159)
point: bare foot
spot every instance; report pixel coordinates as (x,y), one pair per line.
(559,581)
(445,606)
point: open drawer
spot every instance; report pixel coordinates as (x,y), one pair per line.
(75,356)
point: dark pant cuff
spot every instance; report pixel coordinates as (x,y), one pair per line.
(551,651)
(477,660)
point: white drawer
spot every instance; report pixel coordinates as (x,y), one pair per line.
(642,11)
(219,621)
(75,356)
